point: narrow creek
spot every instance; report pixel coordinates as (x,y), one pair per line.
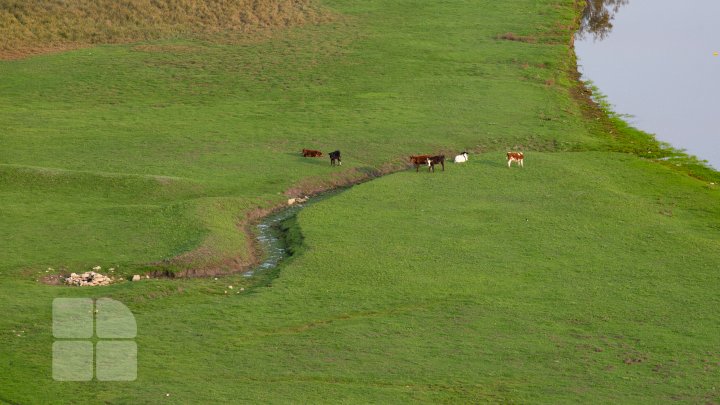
(271,232)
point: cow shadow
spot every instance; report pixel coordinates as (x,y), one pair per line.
(324,160)
(489,163)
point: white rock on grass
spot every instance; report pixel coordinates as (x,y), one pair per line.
(136,277)
(88,279)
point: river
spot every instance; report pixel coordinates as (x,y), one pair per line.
(657,61)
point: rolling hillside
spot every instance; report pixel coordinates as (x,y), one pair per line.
(588,276)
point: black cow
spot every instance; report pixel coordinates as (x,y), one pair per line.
(335,156)
(434,160)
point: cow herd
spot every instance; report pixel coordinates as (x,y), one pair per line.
(431,160)
(420,160)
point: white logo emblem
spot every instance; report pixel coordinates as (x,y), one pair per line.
(77,324)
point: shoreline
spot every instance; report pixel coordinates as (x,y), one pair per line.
(630,139)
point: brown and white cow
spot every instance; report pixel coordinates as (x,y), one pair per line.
(419,160)
(515,157)
(311,153)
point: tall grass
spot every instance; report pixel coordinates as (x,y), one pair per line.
(30,26)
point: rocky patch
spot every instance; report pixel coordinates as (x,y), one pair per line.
(88,279)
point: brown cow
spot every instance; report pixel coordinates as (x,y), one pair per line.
(311,153)
(515,157)
(419,160)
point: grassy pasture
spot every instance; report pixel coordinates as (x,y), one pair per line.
(517,289)
(225,122)
(587,276)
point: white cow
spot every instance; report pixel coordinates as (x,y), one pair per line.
(461,158)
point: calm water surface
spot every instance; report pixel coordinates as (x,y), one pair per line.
(655,60)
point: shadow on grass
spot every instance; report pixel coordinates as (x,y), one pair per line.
(487,163)
(324,160)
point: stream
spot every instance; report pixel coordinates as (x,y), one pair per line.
(270,232)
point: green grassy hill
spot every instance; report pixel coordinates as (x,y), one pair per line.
(227,122)
(587,276)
